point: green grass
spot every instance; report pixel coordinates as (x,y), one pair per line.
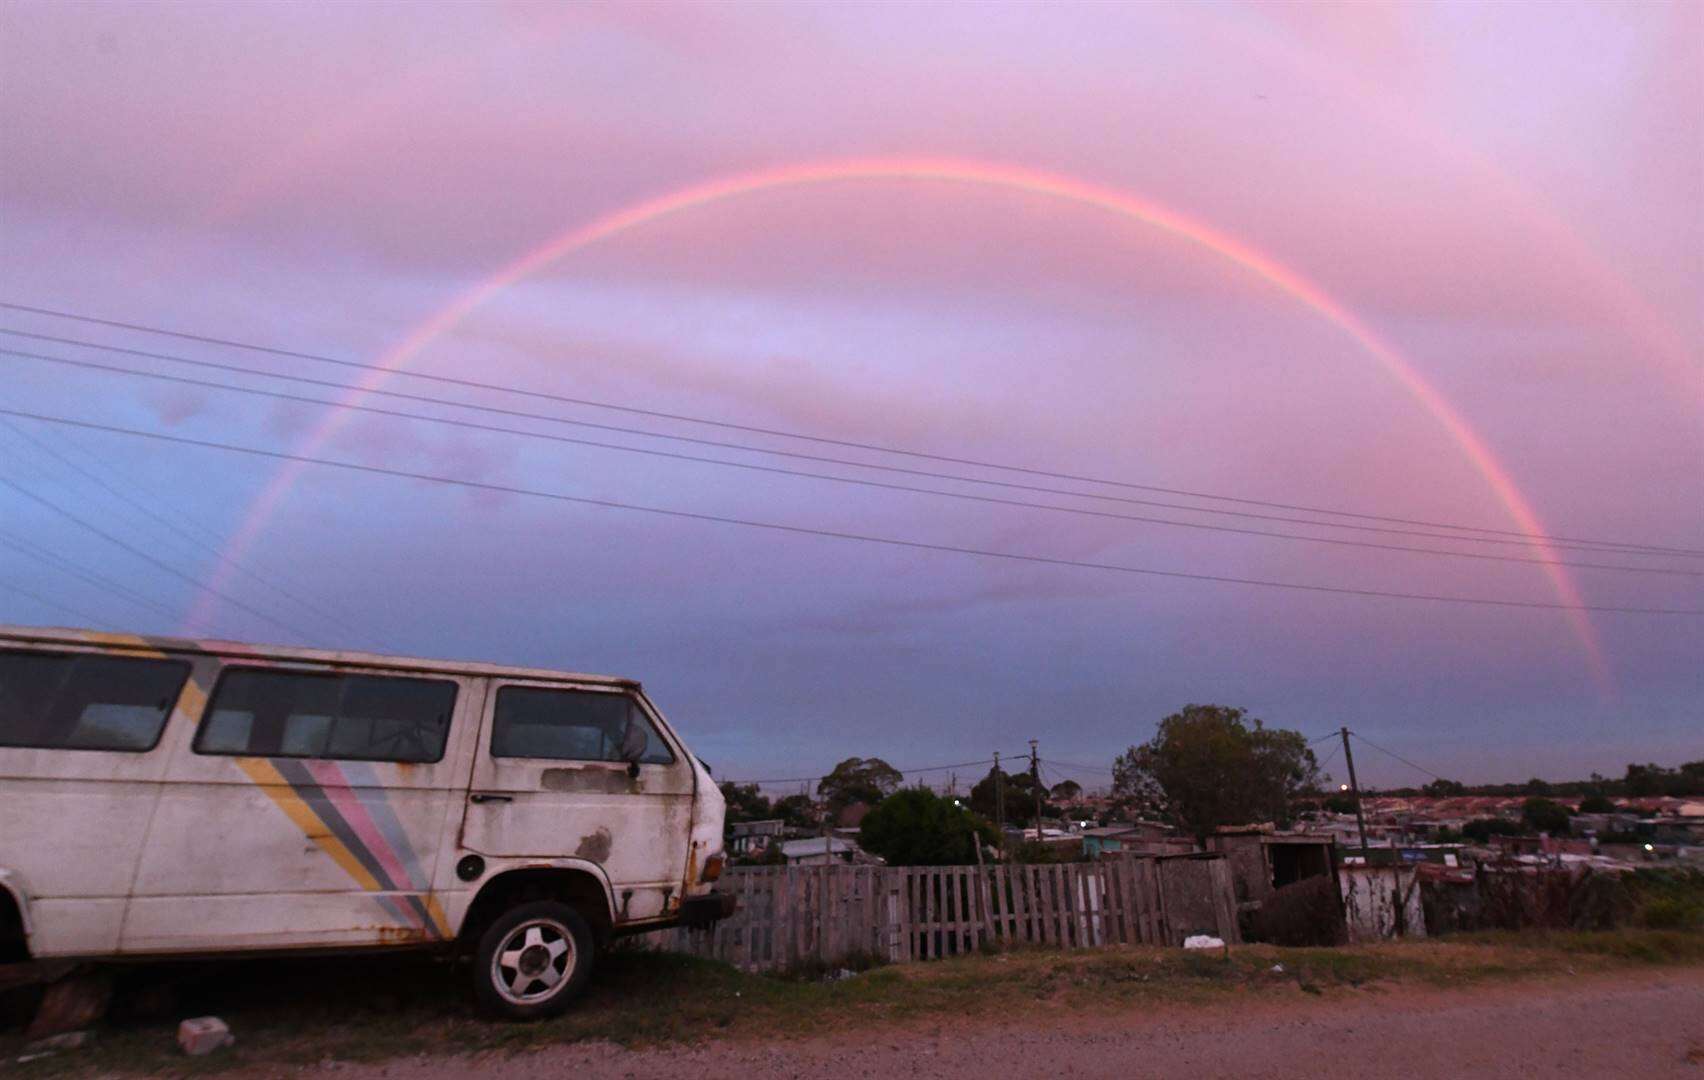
(305,1011)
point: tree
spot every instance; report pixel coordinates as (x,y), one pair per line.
(1596,804)
(1535,786)
(745,802)
(1343,803)
(868,780)
(1017,791)
(916,827)
(797,811)
(1545,815)
(1480,830)
(1643,781)
(1441,788)
(1206,767)
(1066,791)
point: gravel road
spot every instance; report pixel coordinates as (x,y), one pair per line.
(1649,1026)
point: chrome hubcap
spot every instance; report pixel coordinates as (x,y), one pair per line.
(534,962)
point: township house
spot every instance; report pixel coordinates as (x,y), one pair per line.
(1408,881)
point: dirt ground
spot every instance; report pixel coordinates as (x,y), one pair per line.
(1647,1024)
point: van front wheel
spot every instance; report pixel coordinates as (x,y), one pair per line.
(533,961)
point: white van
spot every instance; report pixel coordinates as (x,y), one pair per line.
(163,797)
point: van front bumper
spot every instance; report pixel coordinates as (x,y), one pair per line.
(707,909)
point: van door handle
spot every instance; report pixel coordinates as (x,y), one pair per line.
(481,797)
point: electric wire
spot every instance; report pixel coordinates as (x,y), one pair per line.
(1394,754)
(88,577)
(836,534)
(822,776)
(175,529)
(147,558)
(819,439)
(1328,758)
(82,617)
(1594,546)
(1081,768)
(964,496)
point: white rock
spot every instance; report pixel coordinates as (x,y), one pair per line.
(1202,941)
(203,1035)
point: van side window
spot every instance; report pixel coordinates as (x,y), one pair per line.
(572,725)
(86,701)
(271,712)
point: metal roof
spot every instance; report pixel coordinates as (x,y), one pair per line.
(41,635)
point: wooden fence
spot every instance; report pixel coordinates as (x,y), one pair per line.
(789,916)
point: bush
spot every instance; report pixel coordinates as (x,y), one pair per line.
(1546,815)
(919,828)
(1481,830)
(1668,899)
(1672,913)
(1033,853)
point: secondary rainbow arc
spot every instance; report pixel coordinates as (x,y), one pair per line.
(954,170)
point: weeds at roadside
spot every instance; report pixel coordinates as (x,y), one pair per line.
(303,1012)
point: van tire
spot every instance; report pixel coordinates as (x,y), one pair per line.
(533,961)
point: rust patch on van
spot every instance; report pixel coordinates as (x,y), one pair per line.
(595,846)
(594,781)
(400,935)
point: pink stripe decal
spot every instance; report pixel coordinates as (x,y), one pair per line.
(339,791)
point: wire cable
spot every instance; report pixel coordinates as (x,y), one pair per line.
(965,496)
(1394,754)
(1327,759)
(1643,551)
(1080,768)
(821,776)
(149,559)
(88,577)
(836,534)
(173,527)
(806,437)
(53,605)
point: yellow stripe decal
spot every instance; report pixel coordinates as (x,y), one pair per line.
(278,789)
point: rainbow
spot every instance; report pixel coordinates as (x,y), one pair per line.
(956,171)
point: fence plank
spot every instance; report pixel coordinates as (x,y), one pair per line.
(956,891)
(787,916)
(913,915)
(1044,905)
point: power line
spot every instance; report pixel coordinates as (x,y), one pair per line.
(177,530)
(1080,768)
(53,605)
(144,556)
(1395,755)
(498,429)
(1327,759)
(805,437)
(789,454)
(902,772)
(89,577)
(801,530)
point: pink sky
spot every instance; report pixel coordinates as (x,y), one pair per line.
(1511,198)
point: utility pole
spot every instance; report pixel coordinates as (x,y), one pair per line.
(1354,790)
(1035,776)
(1000,803)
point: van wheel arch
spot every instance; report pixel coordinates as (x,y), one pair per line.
(14,937)
(579,889)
